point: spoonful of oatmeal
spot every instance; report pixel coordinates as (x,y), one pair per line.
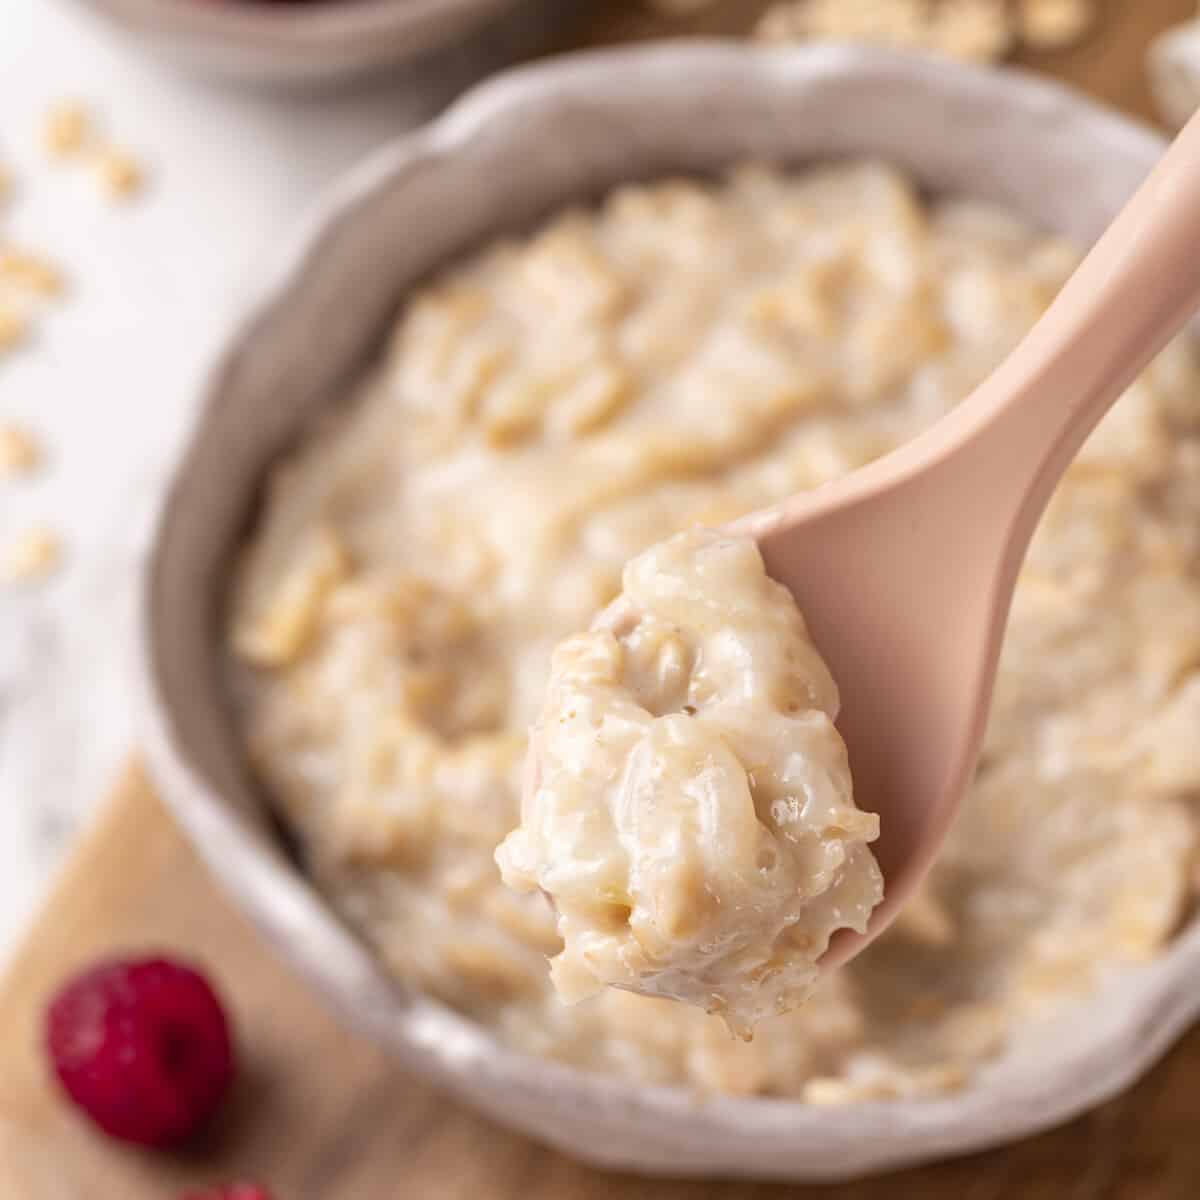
(688,804)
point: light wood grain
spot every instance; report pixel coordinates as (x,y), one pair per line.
(321,1115)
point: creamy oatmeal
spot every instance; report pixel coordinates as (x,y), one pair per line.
(683,354)
(693,820)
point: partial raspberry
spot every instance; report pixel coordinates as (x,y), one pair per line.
(143,1048)
(232,1191)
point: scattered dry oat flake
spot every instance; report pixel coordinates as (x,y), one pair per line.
(6,184)
(971,30)
(67,129)
(119,173)
(19,453)
(14,326)
(30,271)
(976,30)
(1054,24)
(895,22)
(70,131)
(34,555)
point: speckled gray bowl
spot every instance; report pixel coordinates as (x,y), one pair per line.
(516,149)
(267,42)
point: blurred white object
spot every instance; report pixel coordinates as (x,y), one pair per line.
(1174,70)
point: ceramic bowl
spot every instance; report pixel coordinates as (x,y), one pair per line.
(272,42)
(513,151)
(1173,71)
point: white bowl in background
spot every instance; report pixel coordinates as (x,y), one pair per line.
(287,42)
(514,150)
(1173,69)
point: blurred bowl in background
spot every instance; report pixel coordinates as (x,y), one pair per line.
(1173,67)
(296,41)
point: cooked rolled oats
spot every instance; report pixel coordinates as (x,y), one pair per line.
(666,826)
(872,1080)
(33,555)
(926,920)
(274,630)
(769,333)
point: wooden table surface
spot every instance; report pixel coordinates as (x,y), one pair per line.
(320,1115)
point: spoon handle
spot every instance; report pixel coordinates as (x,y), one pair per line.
(1131,294)
(994,459)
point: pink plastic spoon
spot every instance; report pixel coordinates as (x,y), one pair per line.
(905,569)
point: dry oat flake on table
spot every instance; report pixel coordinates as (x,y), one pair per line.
(29,281)
(71,133)
(32,556)
(20,453)
(973,30)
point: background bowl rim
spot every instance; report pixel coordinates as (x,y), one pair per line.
(326,38)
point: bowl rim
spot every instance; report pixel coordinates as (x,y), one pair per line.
(1145,1009)
(300,29)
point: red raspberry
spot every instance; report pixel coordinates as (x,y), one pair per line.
(142,1047)
(232,1191)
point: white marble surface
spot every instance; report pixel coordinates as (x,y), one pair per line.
(108,382)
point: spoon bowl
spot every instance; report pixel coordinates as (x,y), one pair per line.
(906,596)
(905,569)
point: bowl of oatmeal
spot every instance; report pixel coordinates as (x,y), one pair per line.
(602,302)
